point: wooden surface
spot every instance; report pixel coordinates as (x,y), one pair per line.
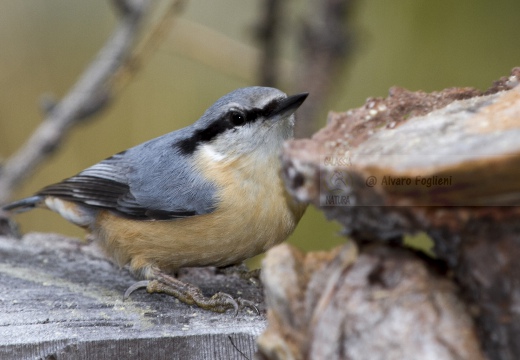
(60,299)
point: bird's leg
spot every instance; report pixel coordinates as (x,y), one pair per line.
(190,294)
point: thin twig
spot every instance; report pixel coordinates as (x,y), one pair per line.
(214,50)
(147,46)
(236,348)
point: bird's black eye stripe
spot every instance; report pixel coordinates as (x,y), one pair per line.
(188,145)
(268,109)
(264,112)
(228,121)
(239,118)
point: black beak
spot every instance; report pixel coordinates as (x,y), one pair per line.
(288,106)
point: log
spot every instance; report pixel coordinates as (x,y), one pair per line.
(62,299)
(384,303)
(444,163)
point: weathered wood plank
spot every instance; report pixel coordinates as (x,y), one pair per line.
(60,299)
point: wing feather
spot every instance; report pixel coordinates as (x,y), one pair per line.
(150,182)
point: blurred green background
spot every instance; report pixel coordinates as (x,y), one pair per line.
(210,50)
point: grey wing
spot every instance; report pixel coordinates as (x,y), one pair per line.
(149,182)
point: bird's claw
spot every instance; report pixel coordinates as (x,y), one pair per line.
(243,303)
(190,294)
(138,285)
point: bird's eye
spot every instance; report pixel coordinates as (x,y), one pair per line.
(237,118)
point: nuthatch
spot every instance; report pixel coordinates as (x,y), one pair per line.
(209,194)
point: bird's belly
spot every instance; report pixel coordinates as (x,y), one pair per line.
(244,225)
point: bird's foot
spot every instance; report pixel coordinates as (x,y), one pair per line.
(190,294)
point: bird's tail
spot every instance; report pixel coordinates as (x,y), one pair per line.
(24,204)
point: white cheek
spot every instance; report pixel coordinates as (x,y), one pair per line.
(212,153)
(261,141)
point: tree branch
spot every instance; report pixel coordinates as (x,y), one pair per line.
(91,93)
(268,34)
(325,45)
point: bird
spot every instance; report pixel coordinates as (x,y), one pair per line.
(209,194)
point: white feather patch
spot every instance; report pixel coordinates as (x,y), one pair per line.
(70,211)
(212,153)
